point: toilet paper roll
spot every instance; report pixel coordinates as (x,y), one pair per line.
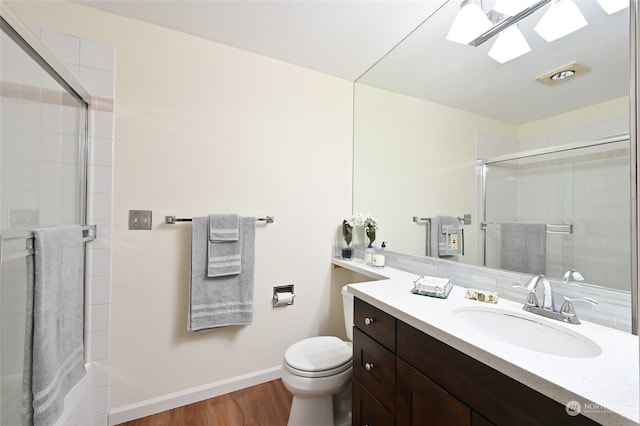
(283,299)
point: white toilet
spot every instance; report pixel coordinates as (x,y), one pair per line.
(316,370)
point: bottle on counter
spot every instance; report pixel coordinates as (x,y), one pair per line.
(368,254)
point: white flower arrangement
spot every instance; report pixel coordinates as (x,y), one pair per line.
(359,219)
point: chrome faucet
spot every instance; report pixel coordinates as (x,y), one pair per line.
(566,313)
(547,293)
(572,275)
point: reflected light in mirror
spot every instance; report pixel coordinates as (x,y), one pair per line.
(613,6)
(562,18)
(509,45)
(469,23)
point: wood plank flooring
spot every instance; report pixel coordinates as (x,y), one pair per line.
(267,404)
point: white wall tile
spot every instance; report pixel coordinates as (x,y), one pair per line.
(101,420)
(97,55)
(100,178)
(99,346)
(102,125)
(98,320)
(98,262)
(99,291)
(100,152)
(617,125)
(66,48)
(19,144)
(100,207)
(19,175)
(97,82)
(100,401)
(100,373)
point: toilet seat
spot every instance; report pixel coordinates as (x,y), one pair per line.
(321,356)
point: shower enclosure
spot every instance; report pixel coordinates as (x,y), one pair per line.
(43,149)
(580,192)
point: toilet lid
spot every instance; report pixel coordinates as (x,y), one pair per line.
(318,354)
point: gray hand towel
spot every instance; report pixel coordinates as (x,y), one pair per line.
(224,227)
(53,353)
(524,247)
(441,229)
(224,247)
(220,301)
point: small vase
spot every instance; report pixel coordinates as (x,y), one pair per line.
(347,252)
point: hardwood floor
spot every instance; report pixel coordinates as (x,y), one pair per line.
(267,404)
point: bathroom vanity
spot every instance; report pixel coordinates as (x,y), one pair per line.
(417,362)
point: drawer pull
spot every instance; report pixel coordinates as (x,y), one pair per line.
(368,366)
(368,321)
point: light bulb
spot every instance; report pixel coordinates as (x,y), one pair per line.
(509,45)
(562,18)
(469,23)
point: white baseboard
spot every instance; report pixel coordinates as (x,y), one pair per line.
(189,396)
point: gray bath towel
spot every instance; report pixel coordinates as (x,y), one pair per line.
(524,247)
(224,248)
(220,301)
(53,353)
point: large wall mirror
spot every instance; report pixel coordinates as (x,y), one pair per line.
(431,114)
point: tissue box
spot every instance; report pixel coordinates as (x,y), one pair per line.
(432,286)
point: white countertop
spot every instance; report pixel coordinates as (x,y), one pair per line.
(606,386)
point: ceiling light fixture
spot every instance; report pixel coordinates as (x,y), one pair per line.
(562,18)
(509,45)
(613,6)
(511,7)
(469,23)
(563,73)
(506,23)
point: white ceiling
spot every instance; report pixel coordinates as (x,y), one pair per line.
(338,37)
(346,37)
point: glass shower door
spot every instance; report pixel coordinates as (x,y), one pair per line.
(581,193)
(42,163)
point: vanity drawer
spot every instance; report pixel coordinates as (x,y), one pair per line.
(376,323)
(374,366)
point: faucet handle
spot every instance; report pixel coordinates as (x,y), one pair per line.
(567,307)
(532,300)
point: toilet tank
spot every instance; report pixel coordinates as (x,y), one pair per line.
(347,306)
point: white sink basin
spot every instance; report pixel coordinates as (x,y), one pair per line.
(525,331)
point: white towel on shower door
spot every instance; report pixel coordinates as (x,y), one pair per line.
(54,348)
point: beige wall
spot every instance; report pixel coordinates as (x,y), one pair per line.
(416,158)
(597,113)
(200,128)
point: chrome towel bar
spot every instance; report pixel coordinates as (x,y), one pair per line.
(88,234)
(171,220)
(551,228)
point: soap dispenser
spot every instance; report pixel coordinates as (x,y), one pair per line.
(368,254)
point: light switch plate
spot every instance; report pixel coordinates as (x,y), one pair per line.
(139,219)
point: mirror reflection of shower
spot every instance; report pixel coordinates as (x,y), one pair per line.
(576,197)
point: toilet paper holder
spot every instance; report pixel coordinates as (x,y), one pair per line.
(283,295)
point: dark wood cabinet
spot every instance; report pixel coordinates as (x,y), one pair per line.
(367,410)
(405,377)
(421,402)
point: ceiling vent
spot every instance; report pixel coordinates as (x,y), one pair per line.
(564,73)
